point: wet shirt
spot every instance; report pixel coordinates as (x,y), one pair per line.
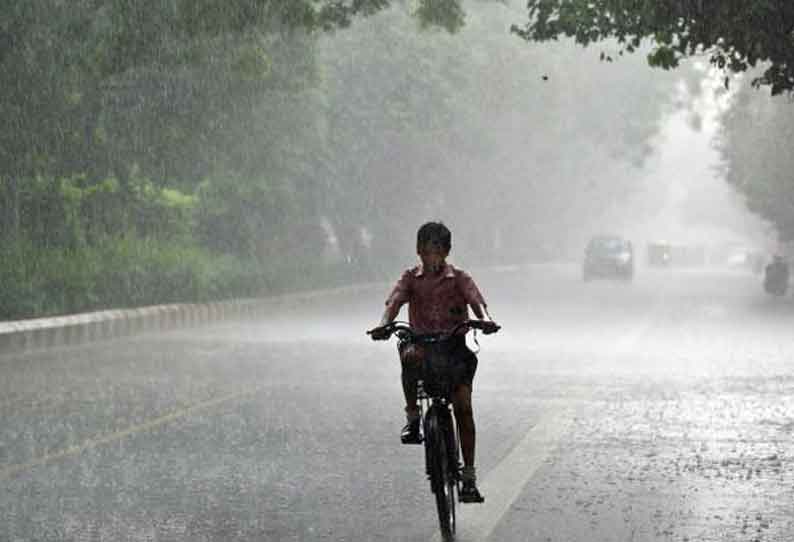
(436,302)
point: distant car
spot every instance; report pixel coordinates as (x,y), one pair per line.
(740,258)
(660,254)
(608,256)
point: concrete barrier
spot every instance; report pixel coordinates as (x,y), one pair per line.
(59,331)
(56,332)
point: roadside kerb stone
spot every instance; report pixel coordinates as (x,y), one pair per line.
(21,336)
(26,335)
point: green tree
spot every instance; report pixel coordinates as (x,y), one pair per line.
(735,35)
(248,127)
(754,143)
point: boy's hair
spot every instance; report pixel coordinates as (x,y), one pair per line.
(435,234)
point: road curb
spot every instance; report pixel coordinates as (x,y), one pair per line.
(22,336)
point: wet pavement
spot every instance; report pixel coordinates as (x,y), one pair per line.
(672,397)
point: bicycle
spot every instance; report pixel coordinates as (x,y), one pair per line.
(440,435)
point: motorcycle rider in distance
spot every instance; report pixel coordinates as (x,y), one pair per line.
(776,276)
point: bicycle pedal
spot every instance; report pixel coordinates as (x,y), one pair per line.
(412,439)
(478,499)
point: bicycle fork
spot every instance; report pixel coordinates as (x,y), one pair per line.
(438,427)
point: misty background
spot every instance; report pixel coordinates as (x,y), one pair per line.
(155,155)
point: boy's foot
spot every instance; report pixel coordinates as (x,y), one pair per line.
(410,433)
(470,493)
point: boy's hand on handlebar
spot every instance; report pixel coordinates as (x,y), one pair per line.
(379,333)
(489,327)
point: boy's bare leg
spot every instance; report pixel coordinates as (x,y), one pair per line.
(409,390)
(410,434)
(463,413)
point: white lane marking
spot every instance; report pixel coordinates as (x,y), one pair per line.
(504,483)
(101,440)
(631,338)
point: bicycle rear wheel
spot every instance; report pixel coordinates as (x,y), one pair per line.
(442,476)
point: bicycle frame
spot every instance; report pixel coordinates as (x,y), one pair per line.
(434,392)
(442,409)
(441,438)
(441,442)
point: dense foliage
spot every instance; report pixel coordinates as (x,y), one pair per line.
(735,35)
(756,146)
(184,151)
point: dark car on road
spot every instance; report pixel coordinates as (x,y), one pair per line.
(660,254)
(608,256)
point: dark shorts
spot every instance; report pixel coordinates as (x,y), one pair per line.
(411,368)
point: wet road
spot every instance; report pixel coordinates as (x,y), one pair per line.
(660,410)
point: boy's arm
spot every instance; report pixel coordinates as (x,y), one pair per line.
(480,310)
(398,297)
(391,312)
(473,296)
(389,315)
(476,301)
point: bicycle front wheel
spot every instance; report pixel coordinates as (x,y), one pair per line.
(442,476)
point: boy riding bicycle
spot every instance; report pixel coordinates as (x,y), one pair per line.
(438,295)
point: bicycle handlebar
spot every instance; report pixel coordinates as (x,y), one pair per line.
(389,329)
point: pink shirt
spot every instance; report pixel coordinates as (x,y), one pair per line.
(435,302)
